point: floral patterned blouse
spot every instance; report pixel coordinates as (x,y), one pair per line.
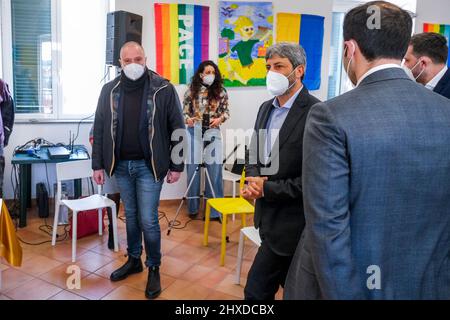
(197,107)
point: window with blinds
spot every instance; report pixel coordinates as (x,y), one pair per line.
(32,55)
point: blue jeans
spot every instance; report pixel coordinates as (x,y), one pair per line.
(212,157)
(140,194)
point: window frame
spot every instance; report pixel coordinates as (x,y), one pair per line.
(343,6)
(6,41)
(1,44)
(341,70)
(6,65)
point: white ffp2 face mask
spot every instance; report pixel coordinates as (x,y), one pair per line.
(209,79)
(134,71)
(410,73)
(277,83)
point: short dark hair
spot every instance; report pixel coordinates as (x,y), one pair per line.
(389,41)
(432,45)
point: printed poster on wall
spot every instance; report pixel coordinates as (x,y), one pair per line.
(245,33)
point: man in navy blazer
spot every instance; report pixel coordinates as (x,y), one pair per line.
(376,176)
(427,58)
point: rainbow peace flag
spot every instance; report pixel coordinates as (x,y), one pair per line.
(308,30)
(438,28)
(182,40)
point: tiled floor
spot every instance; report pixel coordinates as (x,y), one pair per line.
(189,270)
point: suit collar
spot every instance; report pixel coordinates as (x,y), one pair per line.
(290,102)
(384,75)
(445,81)
(301,101)
(436,79)
(376,69)
(297,111)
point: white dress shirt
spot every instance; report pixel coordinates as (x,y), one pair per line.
(377,68)
(276,120)
(434,82)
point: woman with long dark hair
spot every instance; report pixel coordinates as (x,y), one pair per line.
(205,109)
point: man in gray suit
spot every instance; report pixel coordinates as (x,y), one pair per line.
(376,176)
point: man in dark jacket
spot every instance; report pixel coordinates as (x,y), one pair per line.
(275,181)
(136,116)
(6,125)
(427,58)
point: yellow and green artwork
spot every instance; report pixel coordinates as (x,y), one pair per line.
(245,33)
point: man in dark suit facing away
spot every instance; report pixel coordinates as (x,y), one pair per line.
(274,170)
(376,176)
(427,59)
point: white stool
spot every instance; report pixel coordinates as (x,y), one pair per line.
(253,234)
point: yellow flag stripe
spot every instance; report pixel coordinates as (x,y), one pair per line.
(288,27)
(174,47)
(437,28)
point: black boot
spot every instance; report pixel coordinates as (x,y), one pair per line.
(153,289)
(133,265)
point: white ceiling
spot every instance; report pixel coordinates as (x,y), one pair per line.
(345,5)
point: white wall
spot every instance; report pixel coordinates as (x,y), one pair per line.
(436,11)
(244,102)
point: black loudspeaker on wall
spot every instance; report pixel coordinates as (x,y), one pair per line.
(121,27)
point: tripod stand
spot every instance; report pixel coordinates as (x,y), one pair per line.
(208,179)
(197,171)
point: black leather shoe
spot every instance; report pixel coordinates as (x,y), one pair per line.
(153,288)
(133,265)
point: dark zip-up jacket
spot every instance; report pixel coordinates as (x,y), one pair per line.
(164,116)
(7,114)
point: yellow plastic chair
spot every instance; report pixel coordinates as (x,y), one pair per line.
(227,206)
